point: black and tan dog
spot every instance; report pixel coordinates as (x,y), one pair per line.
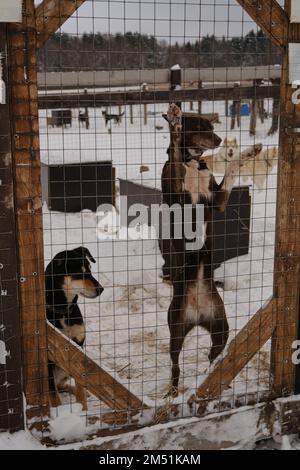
(67,276)
(117,118)
(187,180)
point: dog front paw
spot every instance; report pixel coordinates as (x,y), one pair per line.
(251,152)
(174,115)
(172,392)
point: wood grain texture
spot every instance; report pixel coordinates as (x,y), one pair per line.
(79,100)
(270,17)
(51,15)
(11,399)
(287,251)
(27,190)
(86,372)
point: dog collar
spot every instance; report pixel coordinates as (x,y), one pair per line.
(187,157)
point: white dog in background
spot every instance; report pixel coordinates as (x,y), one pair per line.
(256,169)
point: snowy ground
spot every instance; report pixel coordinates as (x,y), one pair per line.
(127,328)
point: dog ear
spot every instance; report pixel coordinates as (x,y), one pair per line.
(58,263)
(225,141)
(88,255)
(83,252)
(257,148)
(214,119)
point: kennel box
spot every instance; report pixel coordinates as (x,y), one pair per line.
(10,11)
(231,228)
(61,117)
(74,187)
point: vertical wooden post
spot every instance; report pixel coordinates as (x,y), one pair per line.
(131,113)
(236,107)
(253,117)
(11,398)
(275,110)
(287,253)
(23,97)
(145,88)
(175,80)
(199,102)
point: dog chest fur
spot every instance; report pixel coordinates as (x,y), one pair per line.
(196,182)
(199,304)
(74,332)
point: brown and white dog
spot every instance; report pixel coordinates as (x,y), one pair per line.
(67,276)
(256,169)
(187,180)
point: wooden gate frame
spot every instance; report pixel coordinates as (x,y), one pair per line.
(277,320)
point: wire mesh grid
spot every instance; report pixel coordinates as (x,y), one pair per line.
(104,84)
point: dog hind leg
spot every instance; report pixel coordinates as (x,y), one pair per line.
(178,331)
(53,392)
(217,327)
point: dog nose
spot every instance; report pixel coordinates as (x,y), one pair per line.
(100,289)
(218,140)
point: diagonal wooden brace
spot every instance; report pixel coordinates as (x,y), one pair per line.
(51,15)
(67,355)
(240,351)
(270,17)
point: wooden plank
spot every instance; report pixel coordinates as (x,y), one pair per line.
(67,355)
(25,130)
(79,100)
(153,77)
(290,416)
(270,17)
(51,15)
(212,432)
(11,399)
(287,249)
(240,351)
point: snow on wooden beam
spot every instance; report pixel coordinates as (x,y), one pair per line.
(11,11)
(67,355)
(294,62)
(51,15)
(270,17)
(295,11)
(241,350)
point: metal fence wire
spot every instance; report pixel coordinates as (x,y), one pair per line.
(144,327)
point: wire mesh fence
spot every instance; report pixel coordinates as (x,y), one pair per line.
(131,298)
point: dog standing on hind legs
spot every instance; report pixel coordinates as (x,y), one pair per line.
(67,276)
(187,180)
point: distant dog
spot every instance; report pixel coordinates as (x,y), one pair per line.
(49,121)
(67,276)
(256,169)
(117,118)
(83,118)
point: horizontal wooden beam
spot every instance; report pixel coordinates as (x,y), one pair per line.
(51,15)
(67,355)
(270,17)
(240,351)
(78,100)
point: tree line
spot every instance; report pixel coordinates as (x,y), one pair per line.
(65,52)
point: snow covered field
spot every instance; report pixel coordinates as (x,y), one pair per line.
(127,330)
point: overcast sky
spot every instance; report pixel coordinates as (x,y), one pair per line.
(173,20)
